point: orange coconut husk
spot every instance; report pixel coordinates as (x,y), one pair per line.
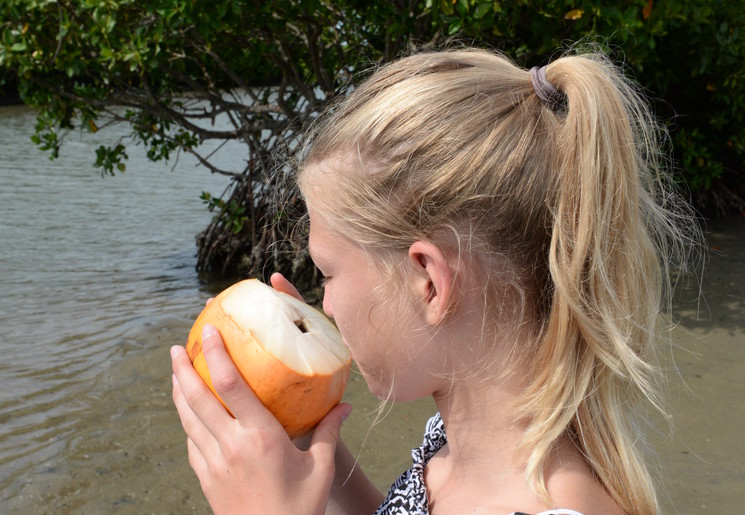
(298,399)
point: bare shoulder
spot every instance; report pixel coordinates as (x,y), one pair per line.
(573,486)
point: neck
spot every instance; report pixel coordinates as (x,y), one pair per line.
(478,418)
(480,465)
(478,407)
(482,430)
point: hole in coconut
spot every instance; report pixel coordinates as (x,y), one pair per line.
(301,325)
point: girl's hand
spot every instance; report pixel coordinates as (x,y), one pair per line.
(248,464)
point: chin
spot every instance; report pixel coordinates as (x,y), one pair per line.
(381,389)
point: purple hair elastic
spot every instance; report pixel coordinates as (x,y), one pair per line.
(550,96)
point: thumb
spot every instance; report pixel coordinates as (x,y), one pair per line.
(326,435)
(281,284)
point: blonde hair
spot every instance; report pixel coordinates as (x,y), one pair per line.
(574,199)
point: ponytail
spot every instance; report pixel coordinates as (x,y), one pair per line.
(610,241)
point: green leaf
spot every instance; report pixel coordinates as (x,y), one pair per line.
(109,23)
(482,9)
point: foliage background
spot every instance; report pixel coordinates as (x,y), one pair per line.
(195,75)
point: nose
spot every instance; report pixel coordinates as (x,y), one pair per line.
(327,304)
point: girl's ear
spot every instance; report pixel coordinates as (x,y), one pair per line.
(432,280)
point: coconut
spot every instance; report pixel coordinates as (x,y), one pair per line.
(289,353)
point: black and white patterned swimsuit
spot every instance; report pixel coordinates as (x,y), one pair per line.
(408,494)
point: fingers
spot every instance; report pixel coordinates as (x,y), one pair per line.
(196,458)
(326,435)
(200,411)
(195,430)
(281,284)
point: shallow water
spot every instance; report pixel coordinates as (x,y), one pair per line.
(89,267)
(98,282)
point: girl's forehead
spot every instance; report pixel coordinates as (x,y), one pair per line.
(319,184)
(342,163)
(330,166)
(316,177)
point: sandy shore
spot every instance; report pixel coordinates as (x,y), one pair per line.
(704,458)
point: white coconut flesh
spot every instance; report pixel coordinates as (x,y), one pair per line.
(296,334)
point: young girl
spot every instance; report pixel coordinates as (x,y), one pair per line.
(490,236)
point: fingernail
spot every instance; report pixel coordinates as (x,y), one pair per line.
(174,379)
(175,351)
(208,331)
